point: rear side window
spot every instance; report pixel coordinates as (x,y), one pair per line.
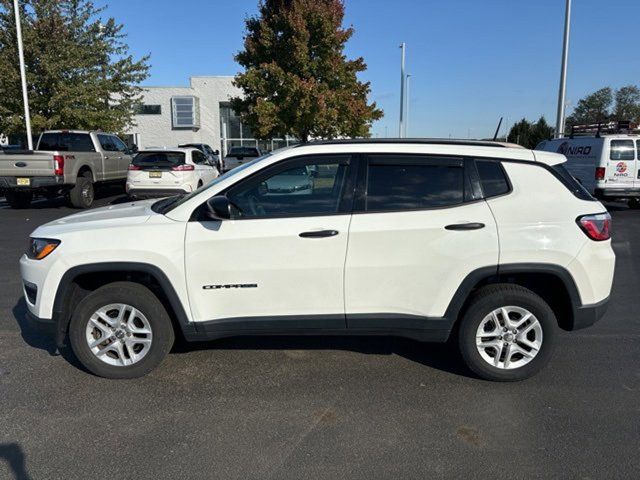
(66,142)
(569,181)
(158,159)
(407,183)
(492,178)
(622,150)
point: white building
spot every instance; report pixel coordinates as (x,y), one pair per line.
(199,113)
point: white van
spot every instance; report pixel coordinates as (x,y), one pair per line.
(605,163)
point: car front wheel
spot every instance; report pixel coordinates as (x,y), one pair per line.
(121,330)
(507,333)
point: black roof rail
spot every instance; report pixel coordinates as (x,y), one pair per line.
(422,141)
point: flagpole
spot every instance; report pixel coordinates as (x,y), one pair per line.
(23,76)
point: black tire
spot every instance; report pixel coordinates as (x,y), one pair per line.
(634,203)
(142,299)
(490,298)
(18,199)
(83,192)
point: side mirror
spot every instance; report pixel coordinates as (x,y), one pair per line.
(218,208)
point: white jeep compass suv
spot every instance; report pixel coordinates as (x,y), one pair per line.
(495,246)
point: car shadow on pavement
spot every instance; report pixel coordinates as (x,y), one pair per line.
(41,340)
(59,201)
(14,456)
(440,356)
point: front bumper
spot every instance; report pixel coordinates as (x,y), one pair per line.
(45,326)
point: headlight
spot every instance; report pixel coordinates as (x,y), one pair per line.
(41,247)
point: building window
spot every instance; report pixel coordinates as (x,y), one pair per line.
(185,112)
(231,123)
(148,110)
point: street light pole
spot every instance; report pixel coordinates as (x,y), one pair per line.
(406,123)
(402,80)
(563,73)
(23,76)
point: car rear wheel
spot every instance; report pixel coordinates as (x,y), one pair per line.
(82,193)
(507,333)
(121,330)
(18,199)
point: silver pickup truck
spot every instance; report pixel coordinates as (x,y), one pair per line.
(65,162)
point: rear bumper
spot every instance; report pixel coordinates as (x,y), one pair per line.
(10,183)
(586,315)
(155,192)
(616,192)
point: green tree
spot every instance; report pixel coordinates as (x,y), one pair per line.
(79,71)
(593,108)
(627,106)
(297,79)
(529,134)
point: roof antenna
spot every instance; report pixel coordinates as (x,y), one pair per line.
(495,135)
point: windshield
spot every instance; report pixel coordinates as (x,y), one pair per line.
(167,204)
(158,159)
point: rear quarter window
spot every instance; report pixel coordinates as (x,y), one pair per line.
(492,178)
(569,181)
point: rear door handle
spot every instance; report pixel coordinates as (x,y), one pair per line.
(465,226)
(319,234)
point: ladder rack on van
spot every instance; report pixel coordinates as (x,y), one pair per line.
(623,126)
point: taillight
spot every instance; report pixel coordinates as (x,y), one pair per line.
(58,165)
(182,168)
(134,167)
(600,173)
(597,226)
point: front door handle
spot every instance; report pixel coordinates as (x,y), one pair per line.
(465,226)
(319,234)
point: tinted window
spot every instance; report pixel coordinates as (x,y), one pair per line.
(106,143)
(412,183)
(299,189)
(66,142)
(492,178)
(243,152)
(570,182)
(148,110)
(197,157)
(158,159)
(622,150)
(118,144)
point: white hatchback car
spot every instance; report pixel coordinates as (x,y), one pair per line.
(161,173)
(497,247)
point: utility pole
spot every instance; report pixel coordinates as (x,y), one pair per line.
(23,76)
(402,80)
(563,73)
(406,123)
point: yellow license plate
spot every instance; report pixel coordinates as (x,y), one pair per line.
(23,182)
(155,174)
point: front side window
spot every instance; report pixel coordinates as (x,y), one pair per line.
(409,183)
(106,143)
(118,144)
(298,188)
(622,150)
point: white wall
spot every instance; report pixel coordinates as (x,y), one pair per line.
(157,130)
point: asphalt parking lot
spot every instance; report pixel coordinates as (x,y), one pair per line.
(263,408)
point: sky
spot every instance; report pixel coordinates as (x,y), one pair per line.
(471,61)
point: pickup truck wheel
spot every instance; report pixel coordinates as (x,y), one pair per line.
(121,330)
(18,199)
(507,333)
(82,193)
